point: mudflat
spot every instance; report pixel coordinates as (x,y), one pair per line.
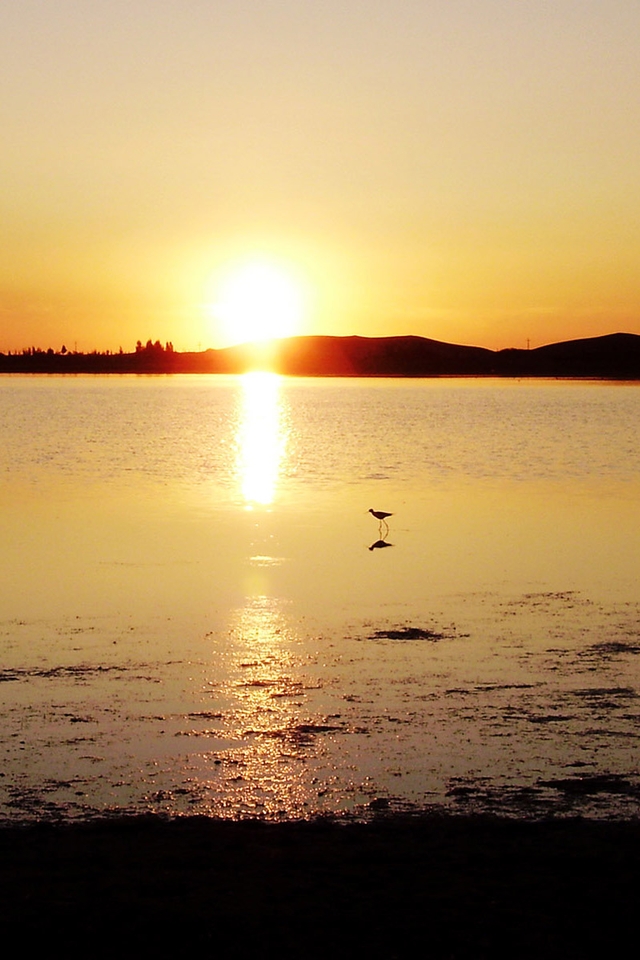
(429,886)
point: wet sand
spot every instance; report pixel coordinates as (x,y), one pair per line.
(430,886)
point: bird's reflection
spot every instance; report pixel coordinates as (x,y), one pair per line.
(379,544)
(261,439)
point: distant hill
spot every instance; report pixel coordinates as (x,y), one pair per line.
(616,356)
(365,357)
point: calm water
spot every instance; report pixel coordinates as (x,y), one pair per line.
(199,615)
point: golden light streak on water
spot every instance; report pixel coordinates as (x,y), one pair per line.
(261,437)
(269,714)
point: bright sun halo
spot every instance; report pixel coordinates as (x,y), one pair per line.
(258,301)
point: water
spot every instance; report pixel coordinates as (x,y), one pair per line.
(199,615)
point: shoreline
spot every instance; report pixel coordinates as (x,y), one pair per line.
(432,885)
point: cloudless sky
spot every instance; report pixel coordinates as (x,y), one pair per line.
(466,170)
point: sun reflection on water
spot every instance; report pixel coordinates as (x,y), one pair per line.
(261,437)
(270,769)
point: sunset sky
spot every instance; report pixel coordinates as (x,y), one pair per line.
(466,170)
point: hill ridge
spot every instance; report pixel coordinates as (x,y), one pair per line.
(608,356)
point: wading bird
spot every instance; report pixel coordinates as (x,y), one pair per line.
(380,515)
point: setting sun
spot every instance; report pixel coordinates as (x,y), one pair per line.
(258,301)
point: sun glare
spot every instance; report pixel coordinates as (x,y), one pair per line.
(258,302)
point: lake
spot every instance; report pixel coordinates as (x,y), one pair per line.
(199,615)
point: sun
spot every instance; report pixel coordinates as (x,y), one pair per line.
(258,301)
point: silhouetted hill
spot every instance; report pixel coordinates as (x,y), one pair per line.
(383,356)
(616,356)
(319,356)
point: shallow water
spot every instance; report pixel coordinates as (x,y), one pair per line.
(192,618)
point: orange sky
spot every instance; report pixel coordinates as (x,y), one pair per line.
(460,169)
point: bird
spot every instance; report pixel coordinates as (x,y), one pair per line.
(380,515)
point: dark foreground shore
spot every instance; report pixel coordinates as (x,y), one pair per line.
(432,886)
